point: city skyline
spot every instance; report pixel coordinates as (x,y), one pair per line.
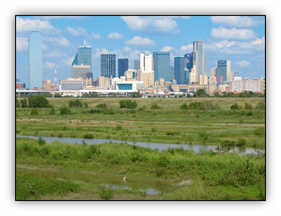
(238,39)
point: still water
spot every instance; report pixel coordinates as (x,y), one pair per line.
(160,146)
(147,185)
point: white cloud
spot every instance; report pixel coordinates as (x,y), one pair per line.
(188,47)
(68,61)
(244,63)
(137,40)
(79,31)
(95,36)
(238,21)
(100,51)
(55,53)
(151,25)
(49,65)
(114,35)
(21,43)
(32,25)
(166,49)
(126,49)
(233,33)
(59,41)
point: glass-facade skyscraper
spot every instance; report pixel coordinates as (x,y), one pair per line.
(83,56)
(108,65)
(223,69)
(35,60)
(179,70)
(123,65)
(199,58)
(162,66)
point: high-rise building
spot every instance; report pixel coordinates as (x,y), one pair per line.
(179,70)
(146,63)
(136,64)
(108,65)
(161,65)
(188,61)
(35,73)
(83,56)
(123,65)
(199,58)
(80,71)
(224,69)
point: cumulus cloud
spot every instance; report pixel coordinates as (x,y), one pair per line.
(137,40)
(100,51)
(54,54)
(78,32)
(49,65)
(244,63)
(151,25)
(32,24)
(114,35)
(238,21)
(68,61)
(21,43)
(233,33)
(188,47)
(166,49)
(59,41)
(95,36)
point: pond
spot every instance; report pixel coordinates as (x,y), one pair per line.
(147,185)
(197,148)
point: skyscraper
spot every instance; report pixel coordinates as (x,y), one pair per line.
(224,69)
(108,65)
(179,70)
(123,65)
(35,73)
(83,56)
(161,65)
(199,58)
(136,64)
(146,63)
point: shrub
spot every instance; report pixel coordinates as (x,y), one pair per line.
(234,106)
(24,103)
(86,105)
(64,109)
(34,111)
(75,103)
(128,104)
(170,133)
(248,106)
(241,142)
(101,106)
(260,105)
(155,106)
(52,111)
(153,129)
(119,127)
(57,95)
(163,161)
(183,106)
(88,136)
(41,141)
(37,101)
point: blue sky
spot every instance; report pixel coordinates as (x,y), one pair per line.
(240,39)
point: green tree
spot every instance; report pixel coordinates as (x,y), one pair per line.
(24,103)
(38,101)
(234,106)
(75,103)
(57,95)
(136,94)
(64,109)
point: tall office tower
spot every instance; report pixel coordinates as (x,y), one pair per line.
(224,69)
(123,65)
(188,61)
(83,56)
(199,58)
(171,73)
(180,73)
(108,65)
(35,73)
(213,71)
(146,63)
(161,65)
(136,64)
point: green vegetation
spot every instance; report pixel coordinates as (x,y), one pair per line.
(128,104)
(223,175)
(37,101)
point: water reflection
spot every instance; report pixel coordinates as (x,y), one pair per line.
(160,146)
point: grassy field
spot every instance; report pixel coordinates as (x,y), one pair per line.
(204,176)
(169,124)
(210,176)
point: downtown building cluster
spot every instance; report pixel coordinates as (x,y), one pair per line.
(151,74)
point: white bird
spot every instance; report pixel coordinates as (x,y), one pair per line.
(124,179)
